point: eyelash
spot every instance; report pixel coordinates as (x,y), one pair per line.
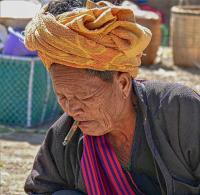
(85,99)
(61,97)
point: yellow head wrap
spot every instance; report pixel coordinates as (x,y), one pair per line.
(100,37)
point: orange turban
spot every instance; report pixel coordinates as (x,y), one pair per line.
(100,37)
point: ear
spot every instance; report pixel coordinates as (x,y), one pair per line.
(124,82)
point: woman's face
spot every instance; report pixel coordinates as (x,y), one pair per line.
(96,104)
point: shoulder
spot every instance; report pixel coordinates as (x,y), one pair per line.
(63,156)
(54,165)
(162,95)
(174,118)
(168,90)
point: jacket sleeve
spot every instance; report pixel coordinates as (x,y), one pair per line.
(190,134)
(177,136)
(189,142)
(48,173)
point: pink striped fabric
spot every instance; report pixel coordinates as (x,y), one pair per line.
(101,169)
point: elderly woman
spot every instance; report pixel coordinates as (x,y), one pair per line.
(130,136)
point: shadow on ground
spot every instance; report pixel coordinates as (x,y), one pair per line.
(193,70)
(31,138)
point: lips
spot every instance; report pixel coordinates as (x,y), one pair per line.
(79,118)
(81,123)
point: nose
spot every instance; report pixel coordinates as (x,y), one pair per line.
(73,107)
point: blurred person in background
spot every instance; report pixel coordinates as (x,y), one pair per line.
(132,137)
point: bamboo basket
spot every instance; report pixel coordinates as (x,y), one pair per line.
(152,21)
(154,24)
(185,37)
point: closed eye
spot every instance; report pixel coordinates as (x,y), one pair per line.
(85,98)
(93,95)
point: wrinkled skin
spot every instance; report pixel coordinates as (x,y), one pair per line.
(100,107)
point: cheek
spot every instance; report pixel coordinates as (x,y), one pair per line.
(106,116)
(92,109)
(108,106)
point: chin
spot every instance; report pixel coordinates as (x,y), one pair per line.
(93,128)
(93,133)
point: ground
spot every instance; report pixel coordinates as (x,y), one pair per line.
(17,153)
(19,146)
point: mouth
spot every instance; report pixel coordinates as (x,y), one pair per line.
(84,122)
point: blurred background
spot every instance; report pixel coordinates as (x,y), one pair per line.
(28,106)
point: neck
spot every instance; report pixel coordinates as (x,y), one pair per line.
(124,133)
(121,138)
(124,127)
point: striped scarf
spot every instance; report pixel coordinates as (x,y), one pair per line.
(101,169)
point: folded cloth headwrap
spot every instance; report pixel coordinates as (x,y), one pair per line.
(100,37)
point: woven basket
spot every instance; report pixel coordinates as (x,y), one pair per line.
(151,51)
(185,37)
(152,21)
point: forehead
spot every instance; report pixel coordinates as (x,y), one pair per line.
(74,80)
